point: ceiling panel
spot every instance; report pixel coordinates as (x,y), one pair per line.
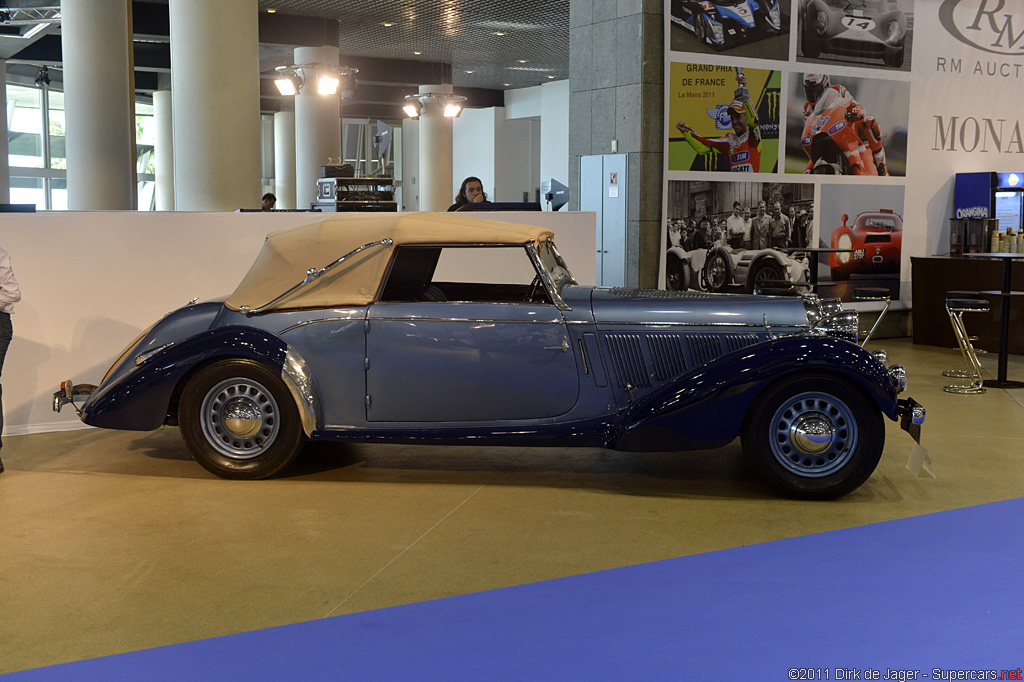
(533,47)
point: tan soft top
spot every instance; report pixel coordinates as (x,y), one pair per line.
(288,254)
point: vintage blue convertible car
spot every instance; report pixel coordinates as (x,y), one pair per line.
(442,328)
(725,23)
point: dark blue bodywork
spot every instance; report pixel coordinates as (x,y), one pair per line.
(625,369)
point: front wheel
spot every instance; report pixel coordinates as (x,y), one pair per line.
(239,421)
(717,271)
(814,437)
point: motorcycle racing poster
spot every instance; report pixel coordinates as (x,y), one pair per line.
(866,221)
(844,125)
(871,33)
(741,28)
(735,236)
(723,118)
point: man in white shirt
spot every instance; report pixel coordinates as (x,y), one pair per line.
(10,293)
(735,227)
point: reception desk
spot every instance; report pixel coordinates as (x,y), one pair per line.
(933,276)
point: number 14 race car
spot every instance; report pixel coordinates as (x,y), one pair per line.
(724,23)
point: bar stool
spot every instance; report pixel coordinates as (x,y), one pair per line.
(873,294)
(964,373)
(956,306)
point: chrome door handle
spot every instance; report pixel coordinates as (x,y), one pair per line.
(564,347)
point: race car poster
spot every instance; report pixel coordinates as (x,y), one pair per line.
(871,33)
(743,28)
(875,123)
(735,236)
(723,118)
(844,125)
(867,222)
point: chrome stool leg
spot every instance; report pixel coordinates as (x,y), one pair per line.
(956,307)
(873,294)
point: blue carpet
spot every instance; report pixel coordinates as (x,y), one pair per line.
(943,591)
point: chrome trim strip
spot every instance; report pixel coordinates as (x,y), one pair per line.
(143,357)
(311,275)
(299,380)
(325,319)
(746,325)
(583,355)
(462,319)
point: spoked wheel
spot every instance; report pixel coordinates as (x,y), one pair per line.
(814,437)
(766,270)
(716,271)
(677,275)
(239,421)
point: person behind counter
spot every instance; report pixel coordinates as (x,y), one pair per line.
(471,192)
(269,200)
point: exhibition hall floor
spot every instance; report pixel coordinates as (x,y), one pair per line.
(114,542)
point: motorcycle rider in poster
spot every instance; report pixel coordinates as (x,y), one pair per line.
(821,95)
(743,145)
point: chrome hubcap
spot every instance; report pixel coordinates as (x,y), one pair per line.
(240,418)
(813,435)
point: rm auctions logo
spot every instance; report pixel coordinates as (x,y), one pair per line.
(985,24)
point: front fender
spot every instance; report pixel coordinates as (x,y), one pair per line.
(707,407)
(140,399)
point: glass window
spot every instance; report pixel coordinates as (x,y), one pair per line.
(58,157)
(25,127)
(28,191)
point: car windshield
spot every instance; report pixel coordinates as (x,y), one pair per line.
(553,263)
(879,223)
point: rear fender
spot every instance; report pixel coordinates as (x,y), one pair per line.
(141,399)
(707,407)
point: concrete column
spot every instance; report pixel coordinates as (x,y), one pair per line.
(98,102)
(284,159)
(5,166)
(216,104)
(164,152)
(436,179)
(317,124)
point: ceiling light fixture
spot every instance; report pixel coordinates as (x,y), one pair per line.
(329,78)
(417,52)
(451,105)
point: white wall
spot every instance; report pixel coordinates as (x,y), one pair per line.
(92,281)
(474,137)
(410,165)
(549,103)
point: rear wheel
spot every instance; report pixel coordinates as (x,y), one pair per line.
(765,270)
(677,275)
(840,275)
(814,437)
(239,421)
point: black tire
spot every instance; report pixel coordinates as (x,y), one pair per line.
(677,275)
(717,271)
(700,30)
(894,58)
(839,275)
(814,437)
(265,434)
(811,45)
(765,269)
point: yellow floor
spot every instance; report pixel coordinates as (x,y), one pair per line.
(116,541)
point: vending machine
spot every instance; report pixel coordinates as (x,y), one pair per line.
(988,210)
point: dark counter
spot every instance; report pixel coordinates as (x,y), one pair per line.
(931,277)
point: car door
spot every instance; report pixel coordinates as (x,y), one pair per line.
(475,350)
